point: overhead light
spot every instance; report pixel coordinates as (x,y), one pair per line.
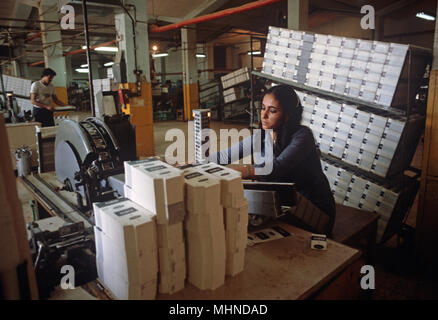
(425,16)
(107,49)
(159,55)
(154,48)
(254,53)
(108,64)
(201,55)
(84,65)
(81,70)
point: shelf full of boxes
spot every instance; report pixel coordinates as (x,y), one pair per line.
(210,97)
(20,87)
(236,103)
(356,98)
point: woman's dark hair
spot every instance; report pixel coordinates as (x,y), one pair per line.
(48,72)
(291,105)
(289,102)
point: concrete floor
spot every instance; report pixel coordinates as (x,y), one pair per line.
(394,266)
(160,129)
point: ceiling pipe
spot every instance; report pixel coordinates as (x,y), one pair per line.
(215,15)
(74,52)
(33,37)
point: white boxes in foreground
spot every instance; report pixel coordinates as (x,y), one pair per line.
(126,249)
(205,231)
(158,187)
(235,214)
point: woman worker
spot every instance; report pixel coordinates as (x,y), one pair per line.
(295,158)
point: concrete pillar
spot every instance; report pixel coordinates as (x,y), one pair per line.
(53,55)
(190,72)
(95,67)
(69,69)
(210,57)
(297,14)
(140,107)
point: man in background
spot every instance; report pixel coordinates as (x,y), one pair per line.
(42,92)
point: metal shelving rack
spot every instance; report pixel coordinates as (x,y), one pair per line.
(241,99)
(410,184)
(211,96)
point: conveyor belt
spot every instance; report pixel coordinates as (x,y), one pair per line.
(53,201)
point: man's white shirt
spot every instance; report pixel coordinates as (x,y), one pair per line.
(43,93)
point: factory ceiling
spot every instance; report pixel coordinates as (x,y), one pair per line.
(18,19)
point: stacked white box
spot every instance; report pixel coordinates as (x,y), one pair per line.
(357,68)
(158,187)
(388,145)
(106,84)
(362,193)
(126,248)
(172,257)
(235,214)
(204,225)
(360,138)
(235,77)
(201,137)
(232,94)
(19,86)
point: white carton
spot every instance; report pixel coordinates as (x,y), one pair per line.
(160,185)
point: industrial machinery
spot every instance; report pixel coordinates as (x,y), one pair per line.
(89,162)
(268,200)
(55,243)
(86,155)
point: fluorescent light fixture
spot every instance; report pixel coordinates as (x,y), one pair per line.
(81,70)
(108,64)
(425,16)
(254,53)
(159,55)
(84,65)
(107,49)
(201,55)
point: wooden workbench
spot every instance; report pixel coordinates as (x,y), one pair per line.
(288,269)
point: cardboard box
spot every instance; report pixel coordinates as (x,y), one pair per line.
(205,225)
(129,225)
(132,266)
(231,184)
(206,260)
(172,259)
(169,284)
(123,285)
(202,192)
(236,219)
(170,235)
(159,187)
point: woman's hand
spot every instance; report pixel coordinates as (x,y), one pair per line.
(246,170)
